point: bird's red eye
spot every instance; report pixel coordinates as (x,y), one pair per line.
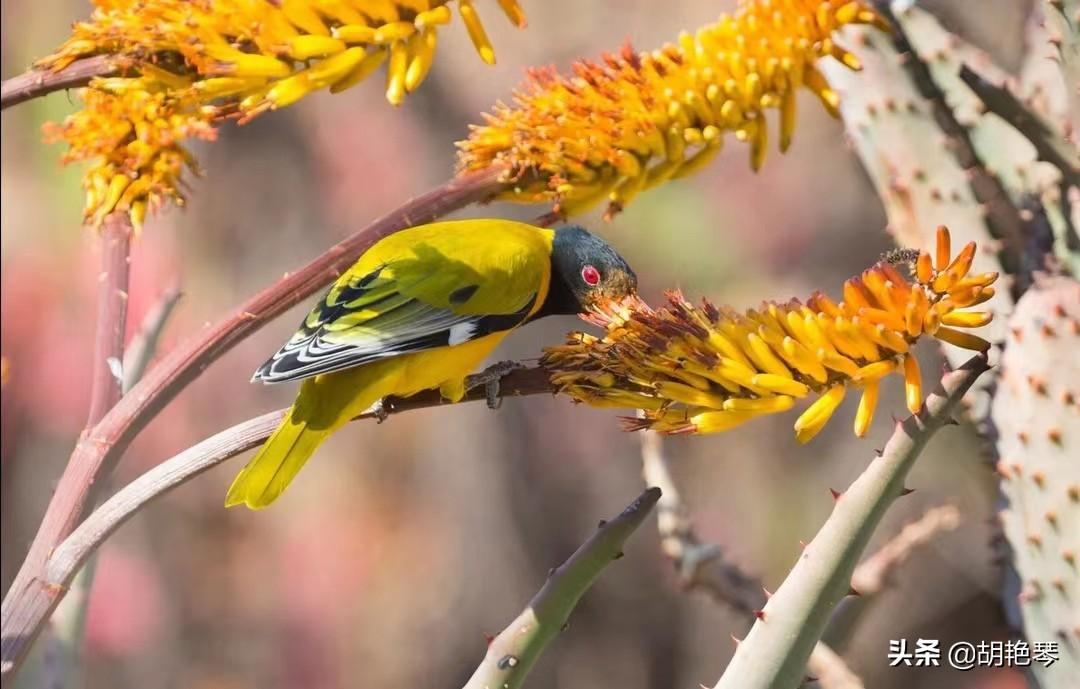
(590,275)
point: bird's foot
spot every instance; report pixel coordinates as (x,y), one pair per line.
(490,378)
(380,411)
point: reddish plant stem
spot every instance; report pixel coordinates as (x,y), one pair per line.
(34,83)
(31,598)
(113,281)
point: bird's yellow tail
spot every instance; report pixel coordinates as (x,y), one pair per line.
(325,403)
(268,474)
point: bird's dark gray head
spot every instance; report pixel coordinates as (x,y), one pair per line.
(585,270)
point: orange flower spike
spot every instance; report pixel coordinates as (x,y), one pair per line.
(668,108)
(944,248)
(946,280)
(924,269)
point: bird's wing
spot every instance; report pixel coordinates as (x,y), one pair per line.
(428,290)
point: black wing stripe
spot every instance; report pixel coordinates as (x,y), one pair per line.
(311,355)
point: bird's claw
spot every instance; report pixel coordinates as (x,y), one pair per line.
(380,411)
(490,378)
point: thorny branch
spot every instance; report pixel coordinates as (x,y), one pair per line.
(511,654)
(774,653)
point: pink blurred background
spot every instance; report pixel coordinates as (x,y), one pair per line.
(403,544)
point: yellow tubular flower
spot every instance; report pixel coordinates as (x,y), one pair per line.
(634,120)
(704,369)
(195,63)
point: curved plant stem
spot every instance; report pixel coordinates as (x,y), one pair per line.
(30,600)
(775,652)
(511,654)
(35,83)
(65,560)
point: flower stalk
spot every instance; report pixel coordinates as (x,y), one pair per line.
(708,369)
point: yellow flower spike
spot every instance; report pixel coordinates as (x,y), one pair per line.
(864,416)
(912,384)
(787,120)
(874,371)
(422,51)
(688,395)
(435,17)
(838,363)
(962,339)
(288,91)
(355,33)
(308,47)
(395,73)
(760,405)
(197,64)
(719,421)
(811,421)
(304,16)
(363,69)
(693,360)
(782,385)
(765,358)
(966,320)
(235,63)
(476,31)
(391,33)
(804,360)
(725,76)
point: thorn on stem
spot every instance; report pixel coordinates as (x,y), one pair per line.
(835,494)
(906,491)
(760,614)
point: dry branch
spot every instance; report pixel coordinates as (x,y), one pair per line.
(35,83)
(872,574)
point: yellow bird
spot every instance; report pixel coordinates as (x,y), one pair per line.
(420,310)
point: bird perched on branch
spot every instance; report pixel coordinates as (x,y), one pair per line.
(420,310)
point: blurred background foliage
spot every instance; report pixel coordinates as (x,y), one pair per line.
(407,542)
